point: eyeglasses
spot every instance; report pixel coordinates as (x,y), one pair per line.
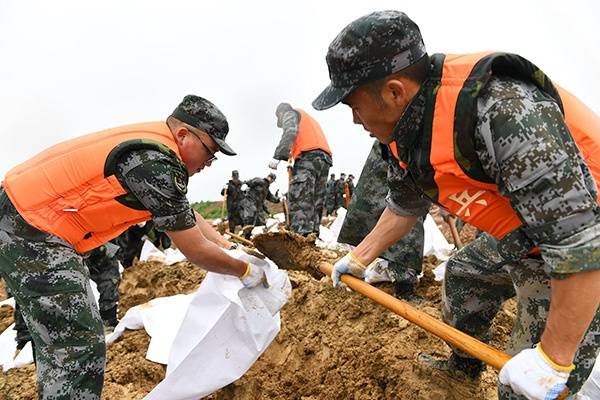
(212,158)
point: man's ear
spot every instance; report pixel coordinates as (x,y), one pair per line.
(395,92)
(180,134)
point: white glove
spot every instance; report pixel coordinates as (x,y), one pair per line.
(349,264)
(244,187)
(534,375)
(255,272)
(273,164)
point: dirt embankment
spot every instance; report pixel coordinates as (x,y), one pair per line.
(332,345)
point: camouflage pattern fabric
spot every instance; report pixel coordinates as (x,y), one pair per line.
(104,271)
(340,191)
(307,191)
(289,121)
(330,196)
(478,280)
(234,197)
(252,206)
(51,285)
(405,256)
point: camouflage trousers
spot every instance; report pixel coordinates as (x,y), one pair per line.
(307,192)
(104,271)
(478,281)
(366,206)
(51,285)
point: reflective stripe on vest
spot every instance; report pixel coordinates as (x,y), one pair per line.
(479,203)
(64,191)
(309,137)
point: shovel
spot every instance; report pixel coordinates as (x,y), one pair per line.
(291,251)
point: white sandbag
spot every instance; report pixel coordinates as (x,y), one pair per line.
(8,302)
(435,243)
(440,271)
(168,257)
(280,217)
(161,318)
(336,226)
(25,357)
(226,328)
(8,346)
(379,271)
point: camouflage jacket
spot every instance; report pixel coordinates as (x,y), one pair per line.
(525,147)
(290,125)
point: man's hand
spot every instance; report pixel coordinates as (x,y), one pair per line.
(255,274)
(349,264)
(273,164)
(534,375)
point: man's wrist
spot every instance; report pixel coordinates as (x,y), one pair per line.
(556,352)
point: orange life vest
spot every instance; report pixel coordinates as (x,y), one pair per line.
(456,180)
(70,190)
(309,137)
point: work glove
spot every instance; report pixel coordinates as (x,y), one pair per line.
(255,274)
(244,187)
(273,164)
(534,375)
(349,264)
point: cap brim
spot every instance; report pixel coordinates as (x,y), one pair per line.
(224,147)
(331,96)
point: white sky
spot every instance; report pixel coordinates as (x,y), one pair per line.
(73,67)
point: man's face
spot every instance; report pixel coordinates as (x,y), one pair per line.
(377,116)
(197,151)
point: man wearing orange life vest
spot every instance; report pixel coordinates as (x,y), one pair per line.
(77,195)
(303,141)
(489,138)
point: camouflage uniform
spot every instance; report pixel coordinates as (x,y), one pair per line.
(103,265)
(252,206)
(234,197)
(523,145)
(330,196)
(366,206)
(517,115)
(309,175)
(50,281)
(340,191)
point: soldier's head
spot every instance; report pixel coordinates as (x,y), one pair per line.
(376,65)
(200,129)
(343,176)
(332,176)
(281,109)
(350,177)
(271,177)
(235,175)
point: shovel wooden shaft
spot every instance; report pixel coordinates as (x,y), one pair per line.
(240,238)
(488,354)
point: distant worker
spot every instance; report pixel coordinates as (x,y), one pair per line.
(252,206)
(233,191)
(78,195)
(330,195)
(340,191)
(303,141)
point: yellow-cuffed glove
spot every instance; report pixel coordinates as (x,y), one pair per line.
(349,264)
(534,375)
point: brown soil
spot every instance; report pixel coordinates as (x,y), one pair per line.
(333,344)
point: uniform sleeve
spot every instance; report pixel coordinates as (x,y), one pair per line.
(525,146)
(159,182)
(403,198)
(290,124)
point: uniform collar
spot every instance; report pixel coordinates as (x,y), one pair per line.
(410,125)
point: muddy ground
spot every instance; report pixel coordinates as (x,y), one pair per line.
(332,345)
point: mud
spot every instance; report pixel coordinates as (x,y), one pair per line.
(333,344)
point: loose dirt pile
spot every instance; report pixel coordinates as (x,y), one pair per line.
(332,345)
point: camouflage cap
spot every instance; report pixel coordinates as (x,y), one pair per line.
(272,176)
(369,48)
(235,173)
(202,114)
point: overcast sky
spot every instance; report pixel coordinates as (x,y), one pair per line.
(73,67)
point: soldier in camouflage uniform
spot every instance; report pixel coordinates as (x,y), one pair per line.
(50,280)
(252,207)
(340,191)
(330,195)
(306,196)
(406,256)
(234,197)
(350,183)
(509,132)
